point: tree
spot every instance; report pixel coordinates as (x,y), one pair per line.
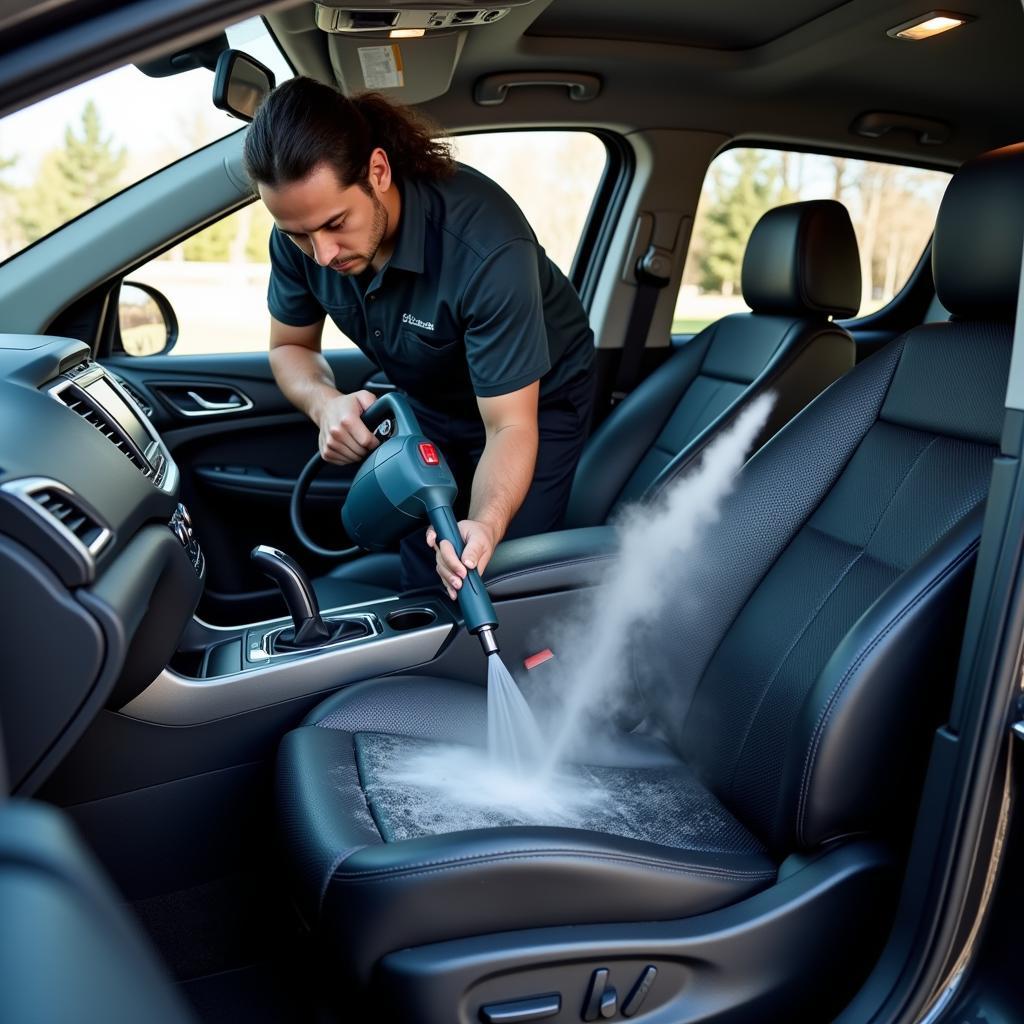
(9,235)
(73,179)
(6,163)
(727,226)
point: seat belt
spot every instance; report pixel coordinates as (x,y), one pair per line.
(652,275)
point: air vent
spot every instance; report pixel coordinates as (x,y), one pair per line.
(56,524)
(63,506)
(78,400)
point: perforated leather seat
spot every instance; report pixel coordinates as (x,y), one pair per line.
(796,689)
(800,268)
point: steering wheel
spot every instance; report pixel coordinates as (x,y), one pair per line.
(299,492)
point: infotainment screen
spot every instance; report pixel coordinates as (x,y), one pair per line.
(103,394)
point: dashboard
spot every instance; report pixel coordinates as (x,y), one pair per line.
(100,570)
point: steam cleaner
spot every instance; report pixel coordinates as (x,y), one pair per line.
(399,485)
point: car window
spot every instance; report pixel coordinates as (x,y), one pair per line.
(552,175)
(216,281)
(892,207)
(70,152)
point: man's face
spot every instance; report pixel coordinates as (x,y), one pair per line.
(341,228)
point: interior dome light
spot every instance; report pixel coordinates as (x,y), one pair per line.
(933,23)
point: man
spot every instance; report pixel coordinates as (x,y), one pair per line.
(434,272)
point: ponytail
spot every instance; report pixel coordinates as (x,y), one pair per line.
(304,123)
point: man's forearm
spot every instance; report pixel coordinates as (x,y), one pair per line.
(305,378)
(503,477)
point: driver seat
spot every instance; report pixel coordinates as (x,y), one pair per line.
(742,864)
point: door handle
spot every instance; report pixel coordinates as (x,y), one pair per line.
(236,401)
(198,399)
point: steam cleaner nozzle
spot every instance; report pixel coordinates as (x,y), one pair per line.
(487,641)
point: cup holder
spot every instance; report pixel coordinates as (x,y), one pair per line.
(410,618)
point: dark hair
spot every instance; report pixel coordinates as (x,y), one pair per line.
(303,123)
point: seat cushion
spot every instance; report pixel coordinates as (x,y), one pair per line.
(382,865)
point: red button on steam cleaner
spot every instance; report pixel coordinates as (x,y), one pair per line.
(429,454)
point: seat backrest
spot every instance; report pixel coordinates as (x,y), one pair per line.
(816,635)
(68,950)
(800,268)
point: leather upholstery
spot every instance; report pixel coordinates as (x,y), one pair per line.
(985,201)
(795,674)
(802,259)
(676,412)
(68,950)
(802,267)
(375,896)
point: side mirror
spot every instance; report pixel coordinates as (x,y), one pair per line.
(146,321)
(240,84)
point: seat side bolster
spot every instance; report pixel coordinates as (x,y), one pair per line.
(321,807)
(619,443)
(861,731)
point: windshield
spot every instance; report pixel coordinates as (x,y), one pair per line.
(70,152)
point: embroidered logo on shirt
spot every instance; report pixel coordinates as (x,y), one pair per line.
(408,318)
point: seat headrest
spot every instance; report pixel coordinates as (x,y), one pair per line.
(979,237)
(802,259)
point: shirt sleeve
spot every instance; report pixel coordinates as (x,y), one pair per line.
(503,310)
(289,297)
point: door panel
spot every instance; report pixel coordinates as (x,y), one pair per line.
(239,463)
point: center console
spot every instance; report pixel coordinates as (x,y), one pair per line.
(222,671)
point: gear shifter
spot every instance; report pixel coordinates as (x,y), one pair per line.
(308,628)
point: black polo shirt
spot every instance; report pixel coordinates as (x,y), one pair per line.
(468,305)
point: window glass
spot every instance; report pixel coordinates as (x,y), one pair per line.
(68,153)
(216,281)
(553,176)
(892,207)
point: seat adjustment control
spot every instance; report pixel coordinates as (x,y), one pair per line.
(639,991)
(602,1000)
(522,1010)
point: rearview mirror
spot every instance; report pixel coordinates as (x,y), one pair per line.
(240,84)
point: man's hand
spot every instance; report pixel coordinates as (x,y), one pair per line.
(343,435)
(479,542)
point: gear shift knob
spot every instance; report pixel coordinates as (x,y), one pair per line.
(309,628)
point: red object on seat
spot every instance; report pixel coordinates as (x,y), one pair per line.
(539,658)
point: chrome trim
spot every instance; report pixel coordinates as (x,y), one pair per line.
(266,622)
(208,408)
(25,487)
(266,643)
(176,700)
(301,581)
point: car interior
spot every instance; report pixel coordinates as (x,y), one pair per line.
(202,816)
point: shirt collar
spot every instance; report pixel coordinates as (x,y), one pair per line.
(408,254)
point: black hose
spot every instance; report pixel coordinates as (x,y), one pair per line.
(299,491)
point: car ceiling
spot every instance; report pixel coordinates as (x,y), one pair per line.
(796,70)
